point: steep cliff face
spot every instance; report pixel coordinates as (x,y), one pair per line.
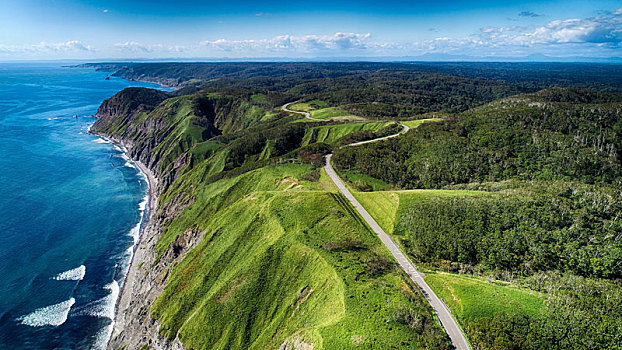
(160,130)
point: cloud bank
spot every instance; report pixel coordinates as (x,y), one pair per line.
(44,47)
(597,36)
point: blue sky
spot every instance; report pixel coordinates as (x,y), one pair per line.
(72,29)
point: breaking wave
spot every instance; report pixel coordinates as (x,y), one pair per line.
(53,315)
(76,274)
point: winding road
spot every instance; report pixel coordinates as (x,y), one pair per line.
(442,311)
(306,114)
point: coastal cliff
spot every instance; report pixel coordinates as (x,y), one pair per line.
(247,248)
(124,119)
(157,129)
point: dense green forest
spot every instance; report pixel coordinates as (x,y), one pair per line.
(521,182)
(556,134)
(379,90)
(550,163)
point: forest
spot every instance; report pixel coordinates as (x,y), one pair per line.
(513,182)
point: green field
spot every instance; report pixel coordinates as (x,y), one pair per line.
(308,106)
(281,260)
(472,298)
(330,112)
(332,133)
(415,123)
(364,182)
(320,110)
(383,205)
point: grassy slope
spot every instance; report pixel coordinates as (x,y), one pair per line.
(282,259)
(471,298)
(320,110)
(332,133)
(383,205)
(415,123)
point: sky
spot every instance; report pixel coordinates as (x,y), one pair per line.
(159,29)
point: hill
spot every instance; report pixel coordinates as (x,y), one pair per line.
(515,200)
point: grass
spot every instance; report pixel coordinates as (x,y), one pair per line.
(384,206)
(330,112)
(364,182)
(332,133)
(415,123)
(281,260)
(320,110)
(470,298)
(308,106)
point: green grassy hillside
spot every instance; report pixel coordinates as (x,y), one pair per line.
(282,260)
(513,208)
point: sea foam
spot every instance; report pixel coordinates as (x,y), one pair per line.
(104,307)
(53,315)
(143,204)
(135,232)
(76,274)
(100,140)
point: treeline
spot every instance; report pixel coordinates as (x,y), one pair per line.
(579,313)
(570,228)
(379,90)
(524,137)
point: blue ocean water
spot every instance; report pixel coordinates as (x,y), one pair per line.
(70,207)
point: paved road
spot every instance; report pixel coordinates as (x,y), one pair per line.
(404,130)
(443,313)
(306,114)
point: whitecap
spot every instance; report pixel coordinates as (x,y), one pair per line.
(53,315)
(135,232)
(76,274)
(102,337)
(104,307)
(142,205)
(100,140)
(54,118)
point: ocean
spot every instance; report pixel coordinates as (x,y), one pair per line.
(71,206)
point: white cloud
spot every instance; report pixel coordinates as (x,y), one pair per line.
(135,47)
(289,43)
(45,47)
(594,36)
(570,37)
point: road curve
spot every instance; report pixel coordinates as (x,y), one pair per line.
(404,130)
(442,311)
(305,114)
(444,315)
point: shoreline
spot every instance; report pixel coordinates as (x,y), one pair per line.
(129,277)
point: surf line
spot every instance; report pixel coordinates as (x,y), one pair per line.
(146,208)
